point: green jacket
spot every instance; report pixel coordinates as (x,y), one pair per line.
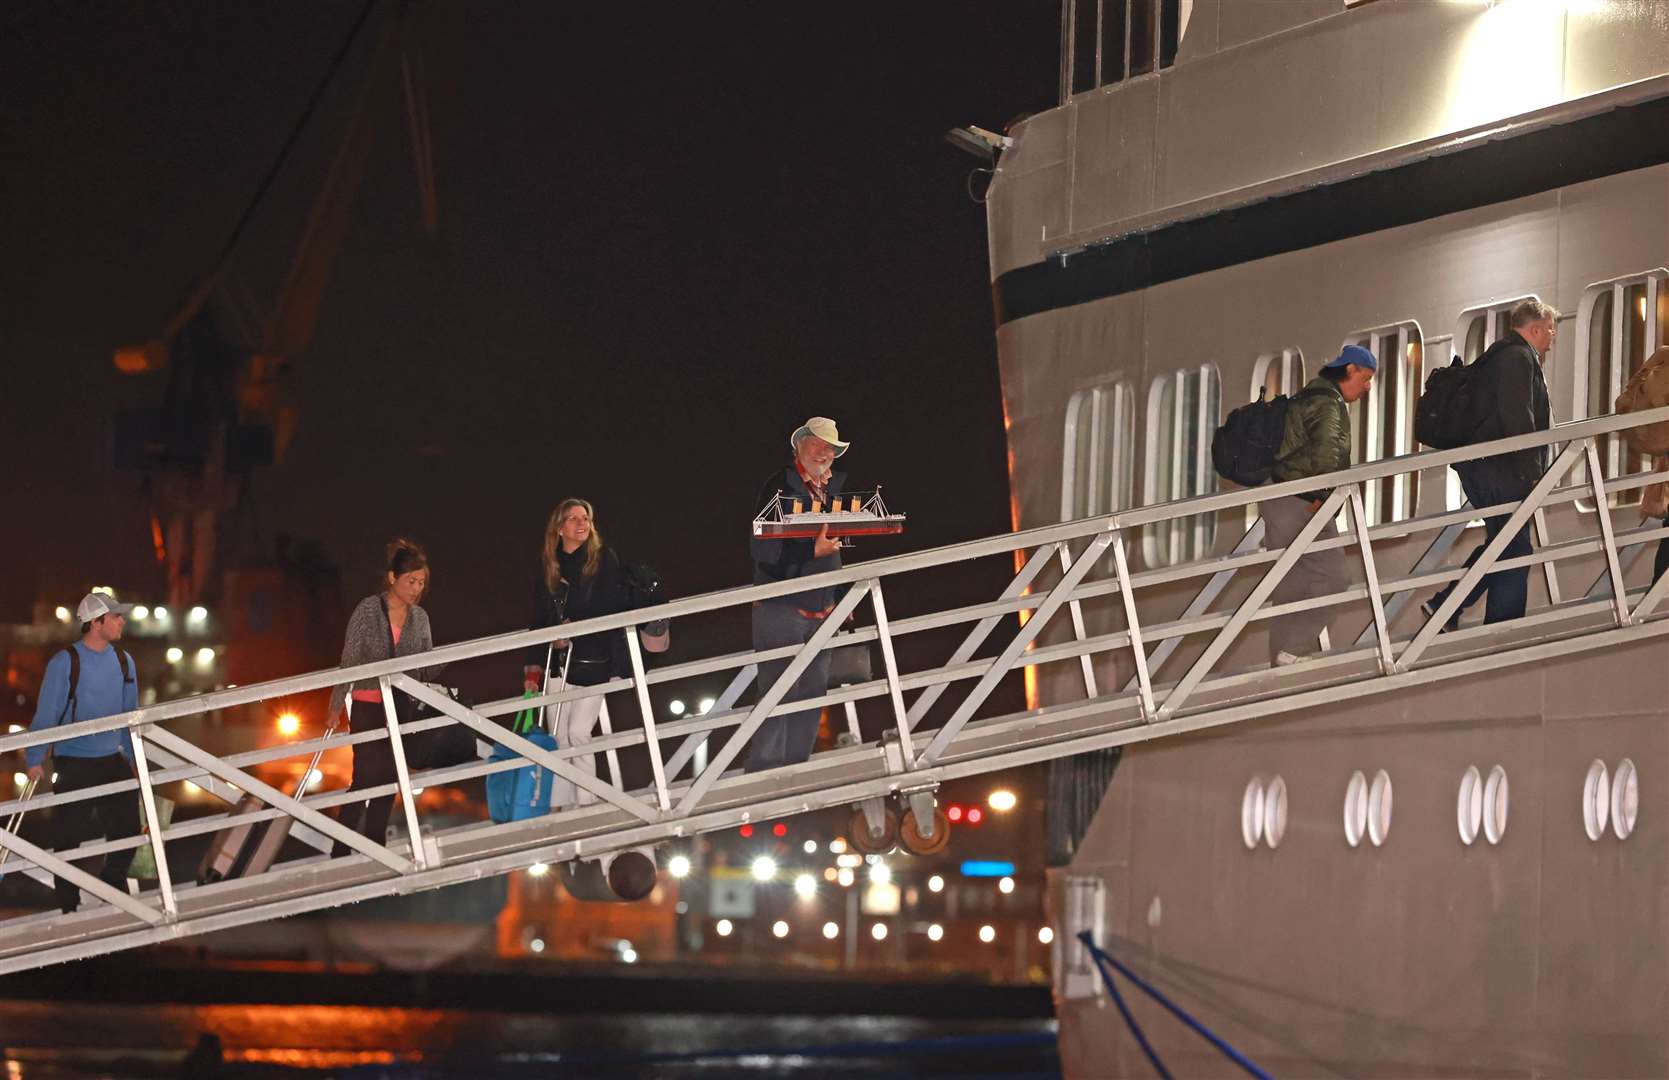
(1317,436)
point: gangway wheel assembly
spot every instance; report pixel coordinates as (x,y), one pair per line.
(910,834)
(873,829)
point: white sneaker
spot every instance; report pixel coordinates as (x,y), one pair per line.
(1284,659)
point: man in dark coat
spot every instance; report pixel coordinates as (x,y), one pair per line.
(1513,397)
(792,619)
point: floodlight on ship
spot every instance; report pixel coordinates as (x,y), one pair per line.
(795,517)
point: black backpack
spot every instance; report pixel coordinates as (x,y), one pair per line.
(75,678)
(1243,449)
(1449,413)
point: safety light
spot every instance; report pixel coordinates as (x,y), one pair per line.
(805,886)
(831,931)
(63,614)
(935,884)
(1002,800)
(988,933)
(1045,935)
(809,847)
(764,868)
(779,829)
(837,845)
(746,830)
(20,779)
(678,866)
(675,706)
(205,656)
(953,813)
(1005,886)
(846,877)
(975,815)
(197,616)
(140,611)
(935,932)
(161,613)
(538,869)
(878,931)
(289,723)
(174,654)
(880,874)
(706,704)
(779,929)
(724,928)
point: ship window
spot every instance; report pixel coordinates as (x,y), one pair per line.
(1382,423)
(1355,808)
(1275,373)
(1098,455)
(1618,325)
(1479,328)
(1182,416)
(1251,814)
(1495,805)
(1104,41)
(1275,813)
(1596,800)
(1084,900)
(1379,808)
(1625,799)
(1469,808)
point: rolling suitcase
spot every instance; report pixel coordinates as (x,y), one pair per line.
(251,847)
(521,793)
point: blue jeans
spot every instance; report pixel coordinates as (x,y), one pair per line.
(1508,590)
(786,740)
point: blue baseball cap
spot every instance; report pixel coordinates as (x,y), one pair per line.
(1353,354)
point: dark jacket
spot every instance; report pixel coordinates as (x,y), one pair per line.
(1316,439)
(1512,401)
(597,657)
(780,560)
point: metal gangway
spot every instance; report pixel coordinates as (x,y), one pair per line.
(1178,630)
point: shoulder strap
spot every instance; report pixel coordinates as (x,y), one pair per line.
(75,681)
(387,624)
(126,663)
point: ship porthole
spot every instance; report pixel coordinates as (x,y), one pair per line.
(1379,808)
(1275,812)
(1495,805)
(1469,809)
(1625,799)
(1251,813)
(1596,800)
(1355,808)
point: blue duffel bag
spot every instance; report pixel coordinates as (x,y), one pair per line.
(515,794)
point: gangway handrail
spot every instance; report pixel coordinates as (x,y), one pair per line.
(671,807)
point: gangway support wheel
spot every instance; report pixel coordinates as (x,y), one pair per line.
(868,842)
(909,834)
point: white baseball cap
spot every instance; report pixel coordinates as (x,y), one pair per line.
(97,604)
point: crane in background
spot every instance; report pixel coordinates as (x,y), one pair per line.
(225,356)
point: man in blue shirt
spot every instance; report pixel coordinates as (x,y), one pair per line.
(105,684)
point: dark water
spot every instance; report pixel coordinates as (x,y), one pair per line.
(54,1041)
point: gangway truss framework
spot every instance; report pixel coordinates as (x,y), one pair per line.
(1065,566)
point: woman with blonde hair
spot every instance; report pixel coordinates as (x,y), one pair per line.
(579,578)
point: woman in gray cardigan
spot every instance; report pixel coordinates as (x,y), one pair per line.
(385,625)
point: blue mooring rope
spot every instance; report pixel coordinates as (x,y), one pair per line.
(1175,1010)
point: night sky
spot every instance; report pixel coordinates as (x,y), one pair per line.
(668,233)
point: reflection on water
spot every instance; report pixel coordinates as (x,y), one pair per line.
(58,1041)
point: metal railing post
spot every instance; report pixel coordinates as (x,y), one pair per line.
(1249,542)
(640,682)
(97,886)
(1077,612)
(1550,573)
(687,749)
(153,823)
(1359,518)
(1144,680)
(889,662)
(402,776)
(1602,510)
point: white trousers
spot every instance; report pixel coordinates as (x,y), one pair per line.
(574,723)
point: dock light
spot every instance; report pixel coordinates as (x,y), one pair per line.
(846,877)
(1045,934)
(63,614)
(953,813)
(140,611)
(706,704)
(878,931)
(837,845)
(628,955)
(1005,886)
(830,874)
(205,656)
(289,723)
(1002,800)
(675,706)
(935,932)
(805,886)
(175,654)
(538,869)
(809,847)
(779,829)
(935,884)
(723,928)
(988,933)
(779,929)
(831,931)
(975,815)
(880,874)
(161,613)
(746,831)
(20,779)
(197,616)
(764,868)
(678,866)
(537,945)
(315,778)
(13,729)
(849,860)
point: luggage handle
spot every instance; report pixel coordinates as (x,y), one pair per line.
(17,815)
(562,681)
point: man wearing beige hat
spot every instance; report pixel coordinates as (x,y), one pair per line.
(791,620)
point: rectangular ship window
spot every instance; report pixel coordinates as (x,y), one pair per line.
(1183,410)
(1098,455)
(1619,324)
(1382,423)
(1478,328)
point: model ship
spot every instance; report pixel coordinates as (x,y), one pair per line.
(795,517)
